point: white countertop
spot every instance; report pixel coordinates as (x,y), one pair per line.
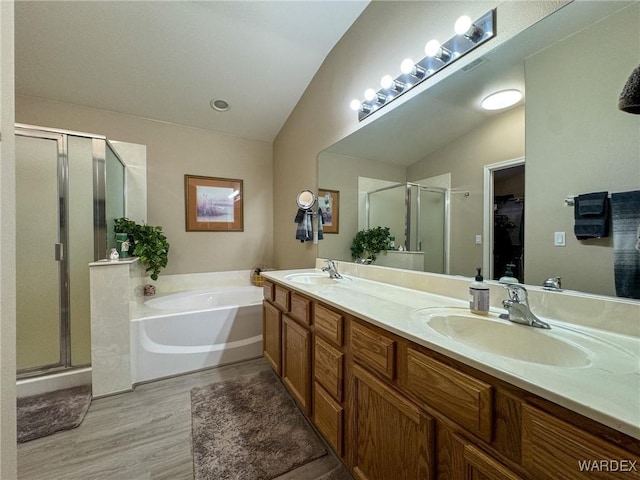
(606,390)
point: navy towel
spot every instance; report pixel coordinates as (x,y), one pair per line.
(591,214)
(625,209)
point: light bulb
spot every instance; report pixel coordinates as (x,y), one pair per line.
(432,48)
(502,99)
(407,65)
(462,25)
(355,104)
(369,94)
(386,82)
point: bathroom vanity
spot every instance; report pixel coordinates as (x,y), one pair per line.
(403,384)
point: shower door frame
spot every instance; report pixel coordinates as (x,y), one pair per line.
(98,153)
(407,218)
(60,252)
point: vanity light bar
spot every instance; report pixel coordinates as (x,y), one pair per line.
(438,56)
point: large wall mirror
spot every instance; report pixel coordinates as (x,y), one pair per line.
(505,174)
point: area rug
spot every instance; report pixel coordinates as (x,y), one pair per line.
(249,428)
(48,413)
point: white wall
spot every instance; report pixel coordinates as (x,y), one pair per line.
(8,461)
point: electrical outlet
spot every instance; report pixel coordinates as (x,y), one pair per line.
(559,239)
(478,239)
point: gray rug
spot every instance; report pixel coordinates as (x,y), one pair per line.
(43,415)
(249,429)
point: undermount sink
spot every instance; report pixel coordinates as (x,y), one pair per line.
(500,337)
(311,278)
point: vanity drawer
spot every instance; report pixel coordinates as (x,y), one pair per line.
(373,349)
(328,416)
(328,324)
(282,298)
(552,449)
(328,367)
(268,289)
(300,308)
(459,396)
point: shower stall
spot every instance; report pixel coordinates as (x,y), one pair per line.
(417,217)
(69,188)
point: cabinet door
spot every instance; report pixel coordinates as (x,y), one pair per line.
(272,336)
(296,368)
(468,462)
(555,450)
(392,438)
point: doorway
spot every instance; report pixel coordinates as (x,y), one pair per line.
(504,201)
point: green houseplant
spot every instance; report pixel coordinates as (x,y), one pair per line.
(368,243)
(148,242)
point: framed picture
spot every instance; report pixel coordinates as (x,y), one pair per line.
(213,204)
(329,204)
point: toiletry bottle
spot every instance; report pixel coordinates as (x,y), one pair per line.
(508,275)
(479,295)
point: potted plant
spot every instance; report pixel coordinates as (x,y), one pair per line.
(147,242)
(368,243)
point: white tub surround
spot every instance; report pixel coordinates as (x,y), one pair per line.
(115,288)
(612,343)
(188,331)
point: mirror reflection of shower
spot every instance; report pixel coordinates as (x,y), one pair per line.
(417,217)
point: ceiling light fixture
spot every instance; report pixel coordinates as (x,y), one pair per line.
(502,99)
(469,35)
(219,105)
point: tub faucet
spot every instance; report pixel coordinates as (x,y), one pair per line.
(332,269)
(517,306)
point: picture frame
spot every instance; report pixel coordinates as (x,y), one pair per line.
(213,204)
(329,204)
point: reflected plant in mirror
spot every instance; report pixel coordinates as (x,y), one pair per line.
(367,244)
(574,141)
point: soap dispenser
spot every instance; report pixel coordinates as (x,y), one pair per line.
(479,295)
(508,277)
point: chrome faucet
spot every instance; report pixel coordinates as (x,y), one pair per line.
(332,269)
(552,283)
(517,306)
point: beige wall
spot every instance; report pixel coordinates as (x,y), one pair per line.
(172,152)
(383,35)
(8,460)
(336,246)
(578,142)
(500,138)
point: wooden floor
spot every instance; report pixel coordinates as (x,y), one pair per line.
(144,434)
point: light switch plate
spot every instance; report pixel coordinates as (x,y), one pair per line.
(478,239)
(559,239)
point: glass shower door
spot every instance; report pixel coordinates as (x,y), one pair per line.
(41,289)
(432,220)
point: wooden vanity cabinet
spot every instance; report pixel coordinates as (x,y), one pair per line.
(392,409)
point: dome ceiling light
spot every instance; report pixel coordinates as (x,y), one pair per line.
(502,99)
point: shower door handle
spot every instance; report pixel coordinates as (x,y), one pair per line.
(59,252)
